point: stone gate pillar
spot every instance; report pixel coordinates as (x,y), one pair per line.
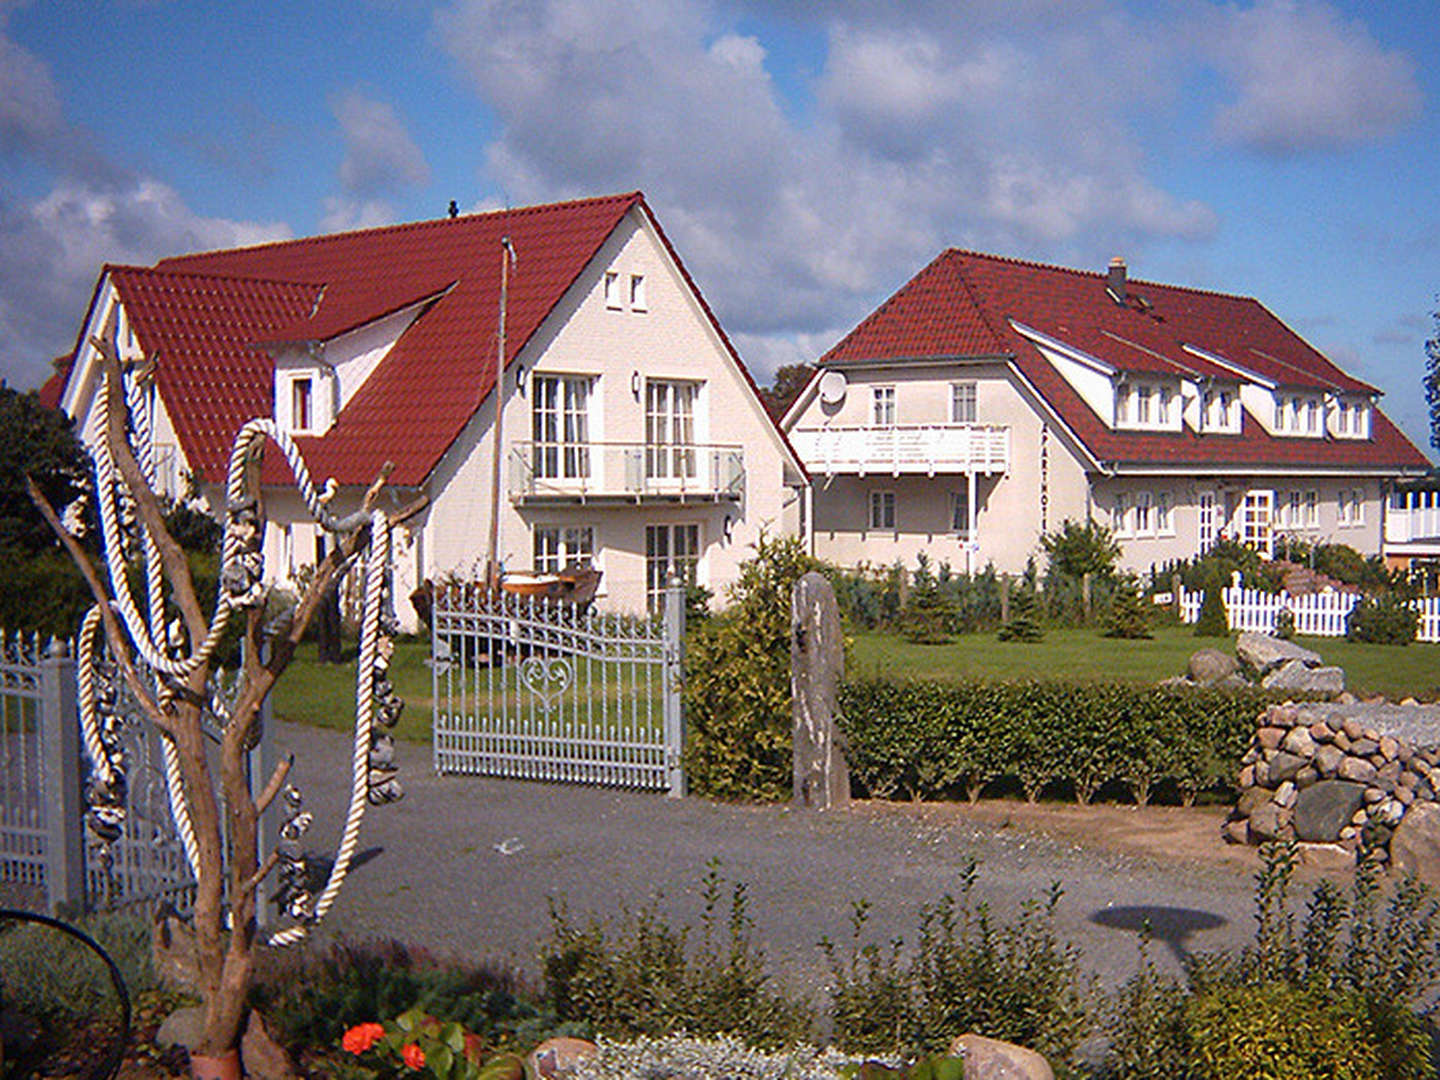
(817,664)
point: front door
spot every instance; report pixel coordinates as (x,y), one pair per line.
(1257,516)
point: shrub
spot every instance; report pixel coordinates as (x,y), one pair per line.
(636,977)
(1078,549)
(929,610)
(932,739)
(1382,620)
(1285,624)
(1024,623)
(1146,1023)
(737,682)
(1212,621)
(1276,1030)
(1014,981)
(1129,612)
(41,593)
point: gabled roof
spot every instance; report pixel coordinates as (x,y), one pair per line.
(205,317)
(968,305)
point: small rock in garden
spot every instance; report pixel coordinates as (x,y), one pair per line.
(1389,771)
(1270,738)
(1209,666)
(1247,777)
(1357,769)
(1409,701)
(1294,675)
(1261,652)
(1374,796)
(1389,748)
(1285,794)
(1307,776)
(1285,765)
(1327,856)
(1322,732)
(1347,698)
(1353,729)
(1405,795)
(1342,741)
(1327,760)
(557,1056)
(1415,845)
(1235,832)
(1270,822)
(991,1059)
(1372,734)
(1323,809)
(264,1058)
(1298,742)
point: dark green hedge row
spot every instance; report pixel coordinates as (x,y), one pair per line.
(934,740)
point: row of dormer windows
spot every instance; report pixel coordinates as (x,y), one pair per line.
(625,291)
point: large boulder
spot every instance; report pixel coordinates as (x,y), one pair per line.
(1326,807)
(1209,666)
(1296,675)
(991,1059)
(1261,653)
(1415,845)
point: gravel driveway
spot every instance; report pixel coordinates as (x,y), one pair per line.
(466,866)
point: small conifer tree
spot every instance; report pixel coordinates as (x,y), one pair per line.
(1024,625)
(1212,621)
(1129,612)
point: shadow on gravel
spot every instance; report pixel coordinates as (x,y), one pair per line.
(1172,925)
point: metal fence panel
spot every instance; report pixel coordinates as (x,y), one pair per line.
(535,689)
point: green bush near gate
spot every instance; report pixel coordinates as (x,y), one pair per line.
(930,739)
(737,682)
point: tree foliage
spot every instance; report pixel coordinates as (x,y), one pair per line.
(1078,549)
(781,394)
(1432,379)
(38,442)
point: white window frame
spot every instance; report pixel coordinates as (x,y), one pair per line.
(637,293)
(1144,516)
(882,511)
(561,547)
(882,406)
(1312,509)
(1350,507)
(1142,405)
(1122,406)
(1162,405)
(1206,520)
(1164,515)
(964,407)
(560,425)
(612,290)
(659,563)
(1120,516)
(672,408)
(960,513)
(302,403)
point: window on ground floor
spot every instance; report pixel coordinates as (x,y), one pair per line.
(882,510)
(960,513)
(563,547)
(670,549)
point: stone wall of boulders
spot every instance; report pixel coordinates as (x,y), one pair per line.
(1345,774)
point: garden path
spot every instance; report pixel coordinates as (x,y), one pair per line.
(466,866)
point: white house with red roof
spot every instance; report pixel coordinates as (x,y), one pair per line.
(633,438)
(989,400)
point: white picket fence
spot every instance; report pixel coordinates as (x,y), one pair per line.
(1320,614)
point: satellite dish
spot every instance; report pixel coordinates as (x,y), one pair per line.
(832,387)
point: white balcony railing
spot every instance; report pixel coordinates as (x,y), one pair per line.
(905,448)
(559,471)
(1420,522)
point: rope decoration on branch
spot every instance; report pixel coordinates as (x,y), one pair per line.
(162,648)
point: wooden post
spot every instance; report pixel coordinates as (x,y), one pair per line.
(1004,598)
(1175,586)
(1085,581)
(817,665)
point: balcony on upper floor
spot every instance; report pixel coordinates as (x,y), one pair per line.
(592,472)
(926,449)
(1413,516)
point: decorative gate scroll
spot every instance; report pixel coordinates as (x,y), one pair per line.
(537,689)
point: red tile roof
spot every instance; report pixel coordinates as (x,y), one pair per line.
(202,317)
(52,388)
(963,305)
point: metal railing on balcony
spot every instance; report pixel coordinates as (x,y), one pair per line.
(563,471)
(905,448)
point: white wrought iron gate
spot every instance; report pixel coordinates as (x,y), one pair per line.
(536,689)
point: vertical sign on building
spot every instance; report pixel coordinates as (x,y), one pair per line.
(1044,479)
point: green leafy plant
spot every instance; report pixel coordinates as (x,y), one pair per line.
(1077,549)
(415,1043)
(1382,620)
(1129,611)
(929,611)
(737,681)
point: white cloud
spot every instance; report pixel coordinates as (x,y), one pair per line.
(52,250)
(1307,80)
(924,133)
(379,153)
(340,213)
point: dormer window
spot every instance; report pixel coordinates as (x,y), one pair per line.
(301,404)
(612,290)
(1220,411)
(1351,419)
(637,293)
(1297,414)
(1145,404)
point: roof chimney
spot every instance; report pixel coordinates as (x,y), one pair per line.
(1115,279)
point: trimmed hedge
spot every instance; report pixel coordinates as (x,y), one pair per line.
(934,740)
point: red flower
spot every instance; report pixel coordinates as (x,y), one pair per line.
(362,1037)
(413,1056)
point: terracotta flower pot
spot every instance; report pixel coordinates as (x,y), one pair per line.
(225,1066)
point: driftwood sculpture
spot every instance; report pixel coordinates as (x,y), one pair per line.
(164,650)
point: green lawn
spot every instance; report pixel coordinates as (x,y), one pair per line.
(1394,671)
(324,694)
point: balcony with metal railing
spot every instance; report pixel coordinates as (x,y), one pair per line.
(624,472)
(904,448)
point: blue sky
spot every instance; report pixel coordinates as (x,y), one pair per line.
(805,157)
